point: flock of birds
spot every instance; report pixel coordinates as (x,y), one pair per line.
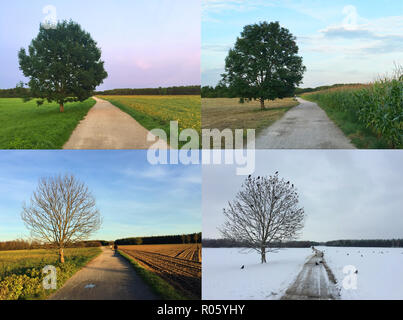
(288,182)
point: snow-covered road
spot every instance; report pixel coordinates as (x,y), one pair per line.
(314,282)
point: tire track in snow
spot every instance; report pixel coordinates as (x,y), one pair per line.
(313,282)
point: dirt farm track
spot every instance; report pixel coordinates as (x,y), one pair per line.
(179,264)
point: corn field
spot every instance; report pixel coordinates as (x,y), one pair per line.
(379,106)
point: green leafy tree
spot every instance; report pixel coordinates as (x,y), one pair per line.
(63,64)
(263,65)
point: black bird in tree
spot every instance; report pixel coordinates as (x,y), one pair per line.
(265,211)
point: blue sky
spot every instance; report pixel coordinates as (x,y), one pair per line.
(134,197)
(341,41)
(144,43)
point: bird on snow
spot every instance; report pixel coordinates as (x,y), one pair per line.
(317,263)
(356,271)
(249,176)
(243,267)
(276,172)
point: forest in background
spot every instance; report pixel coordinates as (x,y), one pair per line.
(386,243)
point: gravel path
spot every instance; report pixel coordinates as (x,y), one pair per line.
(108,277)
(305,126)
(107,127)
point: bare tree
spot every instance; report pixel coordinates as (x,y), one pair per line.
(61,211)
(264,212)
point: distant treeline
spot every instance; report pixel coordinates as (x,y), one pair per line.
(299,91)
(171,239)
(389,243)
(14,93)
(182,90)
(21,244)
(222,91)
(219,91)
(226,243)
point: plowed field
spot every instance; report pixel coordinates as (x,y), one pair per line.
(179,264)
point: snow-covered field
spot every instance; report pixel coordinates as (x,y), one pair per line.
(380,271)
(223,278)
(379,276)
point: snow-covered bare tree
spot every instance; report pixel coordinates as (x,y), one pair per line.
(62,211)
(265,211)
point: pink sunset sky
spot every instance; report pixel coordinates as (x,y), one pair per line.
(144,43)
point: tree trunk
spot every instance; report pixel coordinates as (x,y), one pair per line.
(61,255)
(262,104)
(263,254)
(61,108)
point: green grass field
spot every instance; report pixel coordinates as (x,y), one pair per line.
(21,270)
(157,111)
(27,126)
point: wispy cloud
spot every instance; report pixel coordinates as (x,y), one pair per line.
(164,173)
(210,7)
(329,33)
(215,48)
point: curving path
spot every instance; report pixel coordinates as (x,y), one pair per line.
(107,127)
(305,126)
(108,277)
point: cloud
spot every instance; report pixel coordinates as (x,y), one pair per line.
(143,65)
(219,6)
(207,48)
(186,175)
(336,36)
(362,36)
(345,195)
(347,33)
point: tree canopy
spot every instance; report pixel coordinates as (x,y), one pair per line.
(63,64)
(263,65)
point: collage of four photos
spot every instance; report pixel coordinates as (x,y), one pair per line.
(201,150)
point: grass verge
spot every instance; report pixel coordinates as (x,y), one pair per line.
(21,271)
(157,284)
(27,126)
(359,134)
